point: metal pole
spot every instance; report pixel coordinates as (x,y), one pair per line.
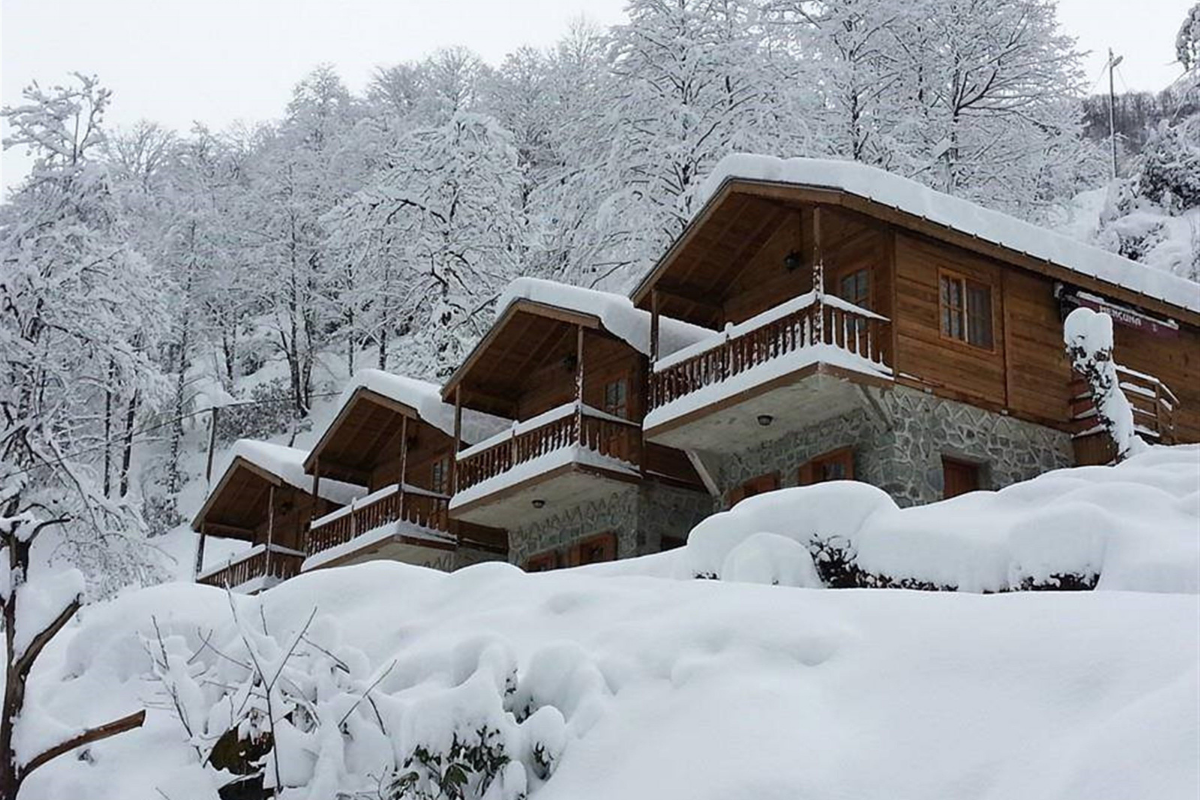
(1112,102)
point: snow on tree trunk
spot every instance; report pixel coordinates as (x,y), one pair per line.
(1088,336)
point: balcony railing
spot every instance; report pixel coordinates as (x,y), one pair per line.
(792,327)
(269,562)
(1152,401)
(415,505)
(576,431)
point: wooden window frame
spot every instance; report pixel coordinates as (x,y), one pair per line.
(623,381)
(807,473)
(442,487)
(965,281)
(870,301)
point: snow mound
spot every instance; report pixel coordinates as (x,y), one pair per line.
(615,311)
(954,212)
(1135,527)
(636,687)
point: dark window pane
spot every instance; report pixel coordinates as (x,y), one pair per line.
(979,315)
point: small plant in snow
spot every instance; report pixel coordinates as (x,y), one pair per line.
(1089,340)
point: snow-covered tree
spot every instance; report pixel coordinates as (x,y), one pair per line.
(80,323)
(444,220)
(1088,336)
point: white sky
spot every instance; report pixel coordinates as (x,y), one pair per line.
(217,61)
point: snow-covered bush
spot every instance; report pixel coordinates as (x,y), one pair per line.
(1080,528)
(1088,337)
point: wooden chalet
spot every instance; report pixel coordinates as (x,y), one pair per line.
(263,497)
(569,366)
(395,436)
(831,287)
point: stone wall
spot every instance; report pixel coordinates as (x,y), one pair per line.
(669,511)
(616,512)
(899,443)
(466,556)
(640,515)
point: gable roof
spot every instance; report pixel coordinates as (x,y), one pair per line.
(278,465)
(543,306)
(928,205)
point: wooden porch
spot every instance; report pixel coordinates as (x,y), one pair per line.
(569,454)
(1154,407)
(394,504)
(259,568)
(793,363)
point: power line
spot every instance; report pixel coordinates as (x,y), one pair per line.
(133,437)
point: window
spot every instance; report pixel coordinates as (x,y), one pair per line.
(759,485)
(966,308)
(958,477)
(856,288)
(616,398)
(836,465)
(439,479)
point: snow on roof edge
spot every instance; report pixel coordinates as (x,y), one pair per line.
(957,213)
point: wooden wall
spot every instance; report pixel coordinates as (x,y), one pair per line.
(293,512)
(1026,371)
(426,446)
(604,359)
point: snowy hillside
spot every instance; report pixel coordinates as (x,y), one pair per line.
(689,689)
(634,680)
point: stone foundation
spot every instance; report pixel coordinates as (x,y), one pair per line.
(640,516)
(899,441)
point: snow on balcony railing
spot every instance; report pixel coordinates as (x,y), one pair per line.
(270,562)
(570,433)
(804,330)
(414,505)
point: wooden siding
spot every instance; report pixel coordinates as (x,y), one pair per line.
(950,367)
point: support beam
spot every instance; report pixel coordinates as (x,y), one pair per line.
(579,384)
(403,460)
(704,472)
(270,525)
(457,438)
(653,327)
(200,551)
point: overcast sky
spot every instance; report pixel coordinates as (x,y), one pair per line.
(217,61)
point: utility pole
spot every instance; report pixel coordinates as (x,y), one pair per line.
(1112,103)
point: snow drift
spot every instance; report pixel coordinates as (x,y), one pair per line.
(1135,526)
(680,689)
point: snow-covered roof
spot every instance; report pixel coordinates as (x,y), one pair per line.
(287,464)
(961,215)
(426,400)
(616,313)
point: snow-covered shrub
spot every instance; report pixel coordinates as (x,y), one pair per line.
(771,559)
(1089,341)
(800,513)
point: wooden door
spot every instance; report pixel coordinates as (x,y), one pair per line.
(593,550)
(836,465)
(959,477)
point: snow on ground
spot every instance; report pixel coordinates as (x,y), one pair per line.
(703,689)
(963,215)
(1136,525)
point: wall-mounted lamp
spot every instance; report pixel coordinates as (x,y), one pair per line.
(570,362)
(765,419)
(539,503)
(791,261)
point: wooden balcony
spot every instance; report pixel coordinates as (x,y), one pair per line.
(385,524)
(565,456)
(1153,404)
(783,365)
(260,567)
